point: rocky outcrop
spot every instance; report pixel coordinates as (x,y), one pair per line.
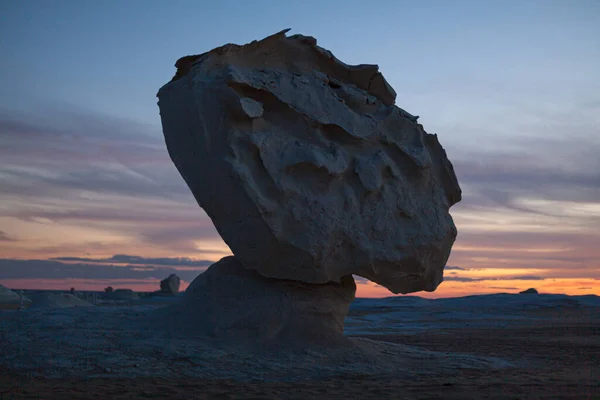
(229,302)
(529,291)
(170,285)
(307,168)
(121,295)
(10,300)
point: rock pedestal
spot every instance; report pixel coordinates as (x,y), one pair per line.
(232,303)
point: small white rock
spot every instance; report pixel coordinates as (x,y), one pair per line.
(251,107)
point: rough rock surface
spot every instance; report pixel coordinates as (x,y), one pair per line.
(230,302)
(307,168)
(170,284)
(10,300)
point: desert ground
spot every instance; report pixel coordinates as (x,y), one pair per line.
(500,346)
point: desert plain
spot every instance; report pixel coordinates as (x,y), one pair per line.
(501,346)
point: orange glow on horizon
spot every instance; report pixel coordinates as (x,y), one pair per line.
(583,286)
(568,286)
(487,260)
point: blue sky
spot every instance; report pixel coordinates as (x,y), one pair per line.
(511,87)
(112,56)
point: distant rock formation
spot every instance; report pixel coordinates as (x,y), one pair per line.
(529,291)
(170,285)
(121,294)
(231,302)
(10,300)
(307,168)
(57,300)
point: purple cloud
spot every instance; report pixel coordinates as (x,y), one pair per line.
(54,269)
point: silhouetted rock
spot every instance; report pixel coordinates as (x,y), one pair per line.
(170,284)
(230,302)
(307,168)
(529,291)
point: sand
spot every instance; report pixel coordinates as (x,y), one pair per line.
(57,300)
(551,344)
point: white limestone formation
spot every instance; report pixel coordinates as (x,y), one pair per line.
(231,303)
(307,168)
(170,285)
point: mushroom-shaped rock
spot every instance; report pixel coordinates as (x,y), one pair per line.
(307,168)
(170,284)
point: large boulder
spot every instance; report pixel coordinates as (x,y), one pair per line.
(231,303)
(307,168)
(170,284)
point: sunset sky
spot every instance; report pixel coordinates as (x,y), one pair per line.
(89,196)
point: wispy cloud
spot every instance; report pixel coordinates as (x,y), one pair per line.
(513,278)
(461,279)
(4,237)
(530,163)
(455,268)
(528,202)
(76,168)
(77,150)
(566,170)
(52,269)
(138,260)
(527,278)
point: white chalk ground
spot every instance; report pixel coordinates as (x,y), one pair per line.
(57,300)
(119,341)
(415,314)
